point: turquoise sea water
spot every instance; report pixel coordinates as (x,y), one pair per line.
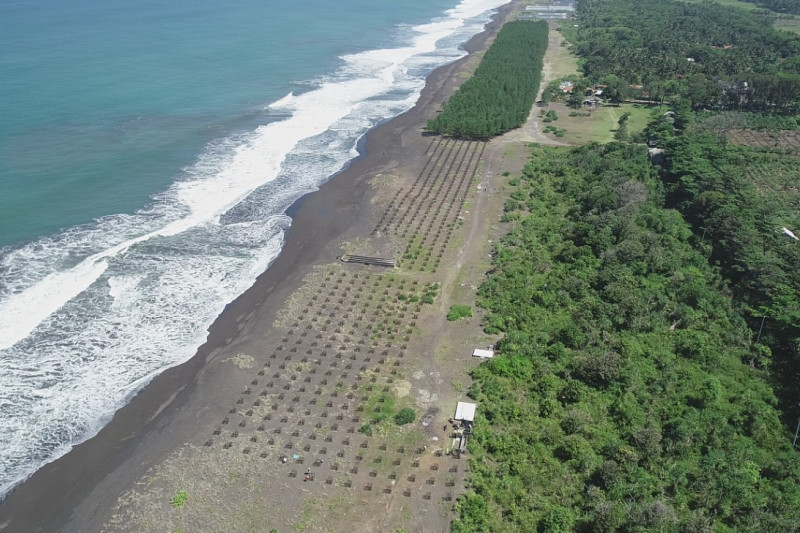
(104,101)
(148,151)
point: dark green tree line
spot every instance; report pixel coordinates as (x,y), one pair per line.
(500,94)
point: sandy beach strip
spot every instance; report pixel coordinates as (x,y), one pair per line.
(81,491)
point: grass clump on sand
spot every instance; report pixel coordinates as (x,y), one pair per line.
(180,499)
(457,312)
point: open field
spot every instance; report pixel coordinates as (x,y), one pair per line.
(774,170)
(788,23)
(730,3)
(788,141)
(560,61)
(598,125)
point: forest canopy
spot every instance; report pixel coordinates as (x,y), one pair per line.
(622,397)
(710,55)
(499,96)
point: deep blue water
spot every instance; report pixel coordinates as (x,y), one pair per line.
(148,151)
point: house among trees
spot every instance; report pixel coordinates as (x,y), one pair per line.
(566,86)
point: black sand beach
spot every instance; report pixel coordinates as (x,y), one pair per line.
(78,491)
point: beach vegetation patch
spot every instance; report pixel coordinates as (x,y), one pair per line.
(457,312)
(180,499)
(242,360)
(405,416)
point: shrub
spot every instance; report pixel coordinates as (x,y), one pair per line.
(405,416)
(179,499)
(457,312)
(557,520)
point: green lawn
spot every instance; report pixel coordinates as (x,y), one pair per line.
(601,124)
(792,24)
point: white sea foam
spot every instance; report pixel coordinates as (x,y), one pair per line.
(90,315)
(283,103)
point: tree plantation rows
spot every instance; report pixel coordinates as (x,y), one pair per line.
(623,397)
(500,94)
(713,56)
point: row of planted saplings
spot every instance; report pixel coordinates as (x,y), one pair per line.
(442,194)
(424,188)
(448,204)
(432,239)
(426,183)
(427,189)
(307,379)
(340,385)
(427,253)
(432,162)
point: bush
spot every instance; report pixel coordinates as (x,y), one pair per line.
(180,498)
(458,312)
(557,520)
(405,416)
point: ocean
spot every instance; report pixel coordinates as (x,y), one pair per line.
(148,153)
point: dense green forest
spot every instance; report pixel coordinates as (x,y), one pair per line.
(499,96)
(740,198)
(710,55)
(623,397)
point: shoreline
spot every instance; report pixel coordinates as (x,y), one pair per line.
(74,488)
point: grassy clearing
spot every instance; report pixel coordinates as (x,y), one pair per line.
(558,57)
(789,24)
(602,123)
(729,3)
